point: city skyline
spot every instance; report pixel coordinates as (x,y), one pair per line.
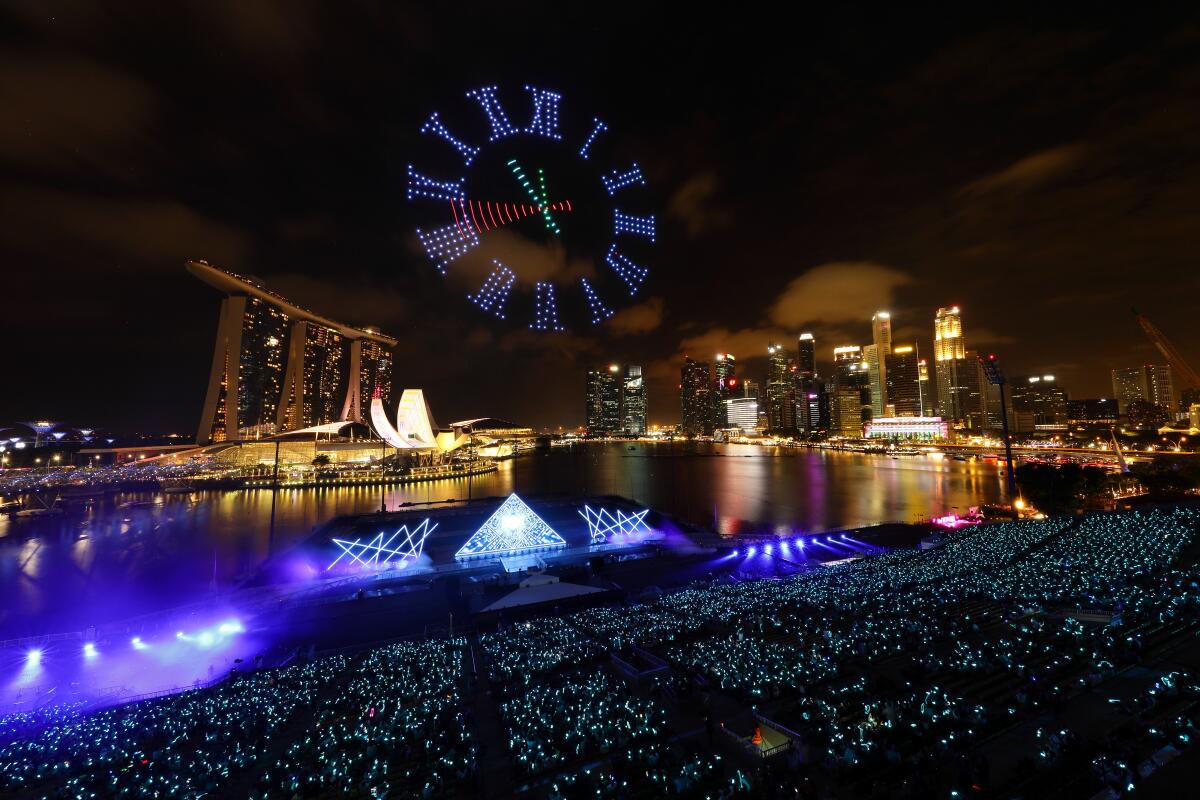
(1022,213)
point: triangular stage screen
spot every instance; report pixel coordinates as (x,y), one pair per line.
(513,528)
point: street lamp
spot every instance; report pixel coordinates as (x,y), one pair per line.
(995,376)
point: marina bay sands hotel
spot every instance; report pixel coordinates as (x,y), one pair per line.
(278,367)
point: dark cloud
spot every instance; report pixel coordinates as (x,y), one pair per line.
(1030,171)
(115,234)
(847,291)
(697,206)
(65,114)
(644,317)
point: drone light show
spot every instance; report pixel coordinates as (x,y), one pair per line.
(512,528)
(514,149)
(604,525)
(399,549)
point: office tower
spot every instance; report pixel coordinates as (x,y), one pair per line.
(1150,383)
(749,388)
(610,400)
(806,356)
(695,398)
(949,349)
(928,401)
(1100,410)
(978,400)
(812,406)
(725,368)
(603,403)
(876,357)
(724,384)
(903,377)
(780,392)
(314,380)
(633,402)
(604,388)
(1160,389)
(741,412)
(1037,400)
(278,366)
(1129,386)
(850,402)
(593,413)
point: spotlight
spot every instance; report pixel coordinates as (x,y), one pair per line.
(735,553)
(178,634)
(89,650)
(233,626)
(206,638)
(137,643)
(800,542)
(752,551)
(33,656)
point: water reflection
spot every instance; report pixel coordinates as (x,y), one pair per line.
(136,553)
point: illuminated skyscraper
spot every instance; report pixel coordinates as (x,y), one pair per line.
(1160,388)
(1129,386)
(741,412)
(806,356)
(603,404)
(850,399)
(781,413)
(725,368)
(695,397)
(725,382)
(633,402)
(978,400)
(876,357)
(1150,383)
(278,366)
(811,406)
(904,381)
(949,354)
(927,393)
(1037,400)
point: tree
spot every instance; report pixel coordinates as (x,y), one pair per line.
(322,460)
(1052,489)
(1167,476)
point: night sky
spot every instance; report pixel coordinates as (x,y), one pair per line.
(1040,172)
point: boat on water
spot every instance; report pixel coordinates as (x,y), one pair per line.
(26,513)
(140,504)
(178,488)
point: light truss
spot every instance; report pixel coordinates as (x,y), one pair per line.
(512,528)
(404,545)
(603,524)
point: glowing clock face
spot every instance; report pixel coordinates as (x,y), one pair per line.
(524,205)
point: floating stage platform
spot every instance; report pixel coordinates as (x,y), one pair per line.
(494,535)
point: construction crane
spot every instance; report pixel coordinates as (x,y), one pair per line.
(1182,368)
